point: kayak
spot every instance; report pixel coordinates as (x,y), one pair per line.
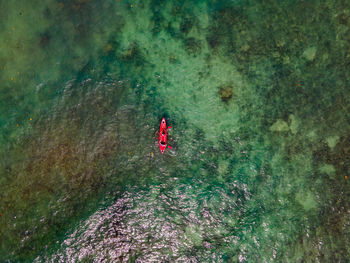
(163,136)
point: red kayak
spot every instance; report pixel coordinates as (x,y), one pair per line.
(163,134)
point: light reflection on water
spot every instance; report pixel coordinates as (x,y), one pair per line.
(221,71)
(185,224)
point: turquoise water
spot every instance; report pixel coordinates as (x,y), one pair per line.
(258,98)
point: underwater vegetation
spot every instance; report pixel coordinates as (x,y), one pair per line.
(258,97)
(226,93)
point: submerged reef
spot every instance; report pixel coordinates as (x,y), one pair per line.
(258,97)
(226,93)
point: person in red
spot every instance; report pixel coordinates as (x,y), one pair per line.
(163,134)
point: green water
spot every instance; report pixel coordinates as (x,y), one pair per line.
(258,98)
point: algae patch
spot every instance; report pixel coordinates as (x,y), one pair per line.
(226,93)
(279,126)
(332,141)
(307,200)
(294,123)
(327,169)
(310,53)
(283,126)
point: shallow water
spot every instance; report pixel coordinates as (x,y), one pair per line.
(257,95)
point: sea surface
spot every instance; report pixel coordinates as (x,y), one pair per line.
(258,97)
